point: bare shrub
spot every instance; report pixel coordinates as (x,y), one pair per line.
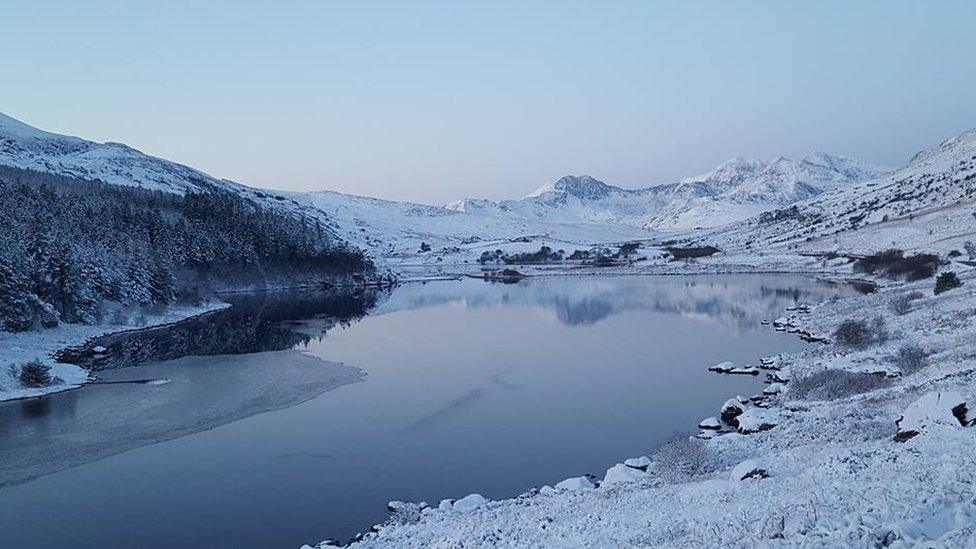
(683,458)
(35,374)
(911,359)
(879,330)
(832,384)
(859,333)
(902,304)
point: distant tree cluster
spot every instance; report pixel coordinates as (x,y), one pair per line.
(71,249)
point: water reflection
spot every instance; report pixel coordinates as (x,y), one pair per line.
(254,323)
(740,303)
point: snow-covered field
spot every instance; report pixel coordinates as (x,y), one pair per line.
(821,474)
(23,347)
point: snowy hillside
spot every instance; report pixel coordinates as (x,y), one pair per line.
(24,146)
(395,231)
(928,205)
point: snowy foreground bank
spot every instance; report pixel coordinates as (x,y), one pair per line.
(889,459)
(17,349)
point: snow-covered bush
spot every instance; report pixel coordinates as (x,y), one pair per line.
(946,281)
(35,374)
(911,359)
(832,384)
(859,333)
(902,304)
(683,458)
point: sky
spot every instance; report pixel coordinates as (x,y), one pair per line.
(434,101)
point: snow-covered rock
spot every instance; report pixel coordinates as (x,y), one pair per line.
(471,501)
(641,463)
(722,367)
(576,483)
(710,424)
(731,410)
(754,420)
(748,469)
(942,409)
(622,474)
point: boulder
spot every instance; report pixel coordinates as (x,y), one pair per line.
(755,420)
(748,469)
(934,409)
(641,463)
(576,484)
(731,410)
(722,367)
(621,474)
(471,501)
(710,424)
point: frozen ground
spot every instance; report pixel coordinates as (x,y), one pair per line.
(827,474)
(19,348)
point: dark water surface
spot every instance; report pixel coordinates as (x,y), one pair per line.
(468,387)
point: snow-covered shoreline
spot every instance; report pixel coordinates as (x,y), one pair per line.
(20,348)
(827,473)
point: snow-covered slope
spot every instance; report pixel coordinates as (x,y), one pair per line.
(395,231)
(26,147)
(23,146)
(928,205)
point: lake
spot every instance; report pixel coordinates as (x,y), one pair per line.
(293,417)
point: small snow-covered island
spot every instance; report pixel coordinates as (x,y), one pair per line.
(344,352)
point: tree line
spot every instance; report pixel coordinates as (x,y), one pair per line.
(74,250)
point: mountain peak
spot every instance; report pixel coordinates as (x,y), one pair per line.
(584,187)
(732,170)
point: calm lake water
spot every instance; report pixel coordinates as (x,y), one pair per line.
(448,388)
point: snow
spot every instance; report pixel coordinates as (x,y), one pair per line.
(19,348)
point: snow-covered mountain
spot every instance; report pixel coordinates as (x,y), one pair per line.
(928,204)
(735,190)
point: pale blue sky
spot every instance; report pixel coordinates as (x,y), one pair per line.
(431,101)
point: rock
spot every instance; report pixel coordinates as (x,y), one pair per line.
(710,424)
(731,410)
(446,504)
(99,350)
(745,370)
(746,470)
(547,490)
(576,484)
(773,389)
(784,375)
(471,501)
(755,420)
(405,512)
(621,474)
(641,463)
(722,367)
(946,409)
